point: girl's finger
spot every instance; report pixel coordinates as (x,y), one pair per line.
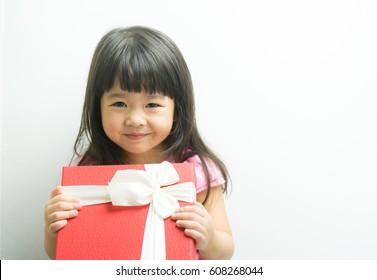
(187,216)
(64,206)
(194,234)
(187,224)
(60,198)
(61,216)
(192,209)
(58,190)
(54,227)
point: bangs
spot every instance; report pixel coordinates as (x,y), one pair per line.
(142,66)
(141,71)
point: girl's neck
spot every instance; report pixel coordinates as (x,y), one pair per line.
(154,156)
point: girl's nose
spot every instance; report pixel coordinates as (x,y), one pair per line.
(135,119)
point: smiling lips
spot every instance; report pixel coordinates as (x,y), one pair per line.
(136,136)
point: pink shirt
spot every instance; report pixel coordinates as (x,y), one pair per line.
(216,177)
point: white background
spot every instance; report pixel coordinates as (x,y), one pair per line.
(286,93)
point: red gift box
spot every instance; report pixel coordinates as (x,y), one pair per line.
(105,231)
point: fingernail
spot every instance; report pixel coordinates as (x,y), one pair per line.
(74,213)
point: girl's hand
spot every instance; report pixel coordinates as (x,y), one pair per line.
(58,210)
(197,223)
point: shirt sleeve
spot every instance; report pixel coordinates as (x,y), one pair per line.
(84,160)
(76,160)
(216,178)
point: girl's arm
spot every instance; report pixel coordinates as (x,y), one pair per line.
(208,225)
(57,211)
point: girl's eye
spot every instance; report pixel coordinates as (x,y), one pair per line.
(152,105)
(119,104)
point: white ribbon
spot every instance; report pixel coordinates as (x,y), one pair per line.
(139,187)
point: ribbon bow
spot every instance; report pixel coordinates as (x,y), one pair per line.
(139,187)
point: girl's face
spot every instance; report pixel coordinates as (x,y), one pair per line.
(137,122)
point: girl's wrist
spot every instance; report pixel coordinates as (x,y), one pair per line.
(211,248)
(221,247)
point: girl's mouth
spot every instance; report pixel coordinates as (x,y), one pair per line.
(136,136)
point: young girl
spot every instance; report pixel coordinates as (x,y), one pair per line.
(139,109)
